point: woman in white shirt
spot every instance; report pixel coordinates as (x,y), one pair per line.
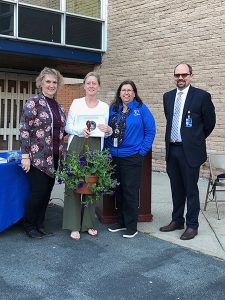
(75,217)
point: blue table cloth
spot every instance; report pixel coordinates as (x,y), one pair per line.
(14,191)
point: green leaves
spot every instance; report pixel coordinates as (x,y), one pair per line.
(77,168)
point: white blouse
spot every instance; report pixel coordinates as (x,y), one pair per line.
(80,108)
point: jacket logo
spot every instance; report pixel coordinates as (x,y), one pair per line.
(136,112)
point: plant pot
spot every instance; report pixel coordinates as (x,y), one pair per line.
(85,189)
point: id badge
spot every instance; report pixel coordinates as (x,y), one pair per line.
(189,122)
(115,142)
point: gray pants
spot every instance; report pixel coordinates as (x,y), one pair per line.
(75,216)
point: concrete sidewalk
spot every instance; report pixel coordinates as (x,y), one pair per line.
(211,237)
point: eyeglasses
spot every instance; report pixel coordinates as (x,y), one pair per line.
(126,91)
(184,75)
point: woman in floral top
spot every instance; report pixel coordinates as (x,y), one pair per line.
(41,136)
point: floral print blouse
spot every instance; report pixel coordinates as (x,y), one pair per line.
(36,131)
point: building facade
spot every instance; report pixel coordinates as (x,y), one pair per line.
(147,39)
(69,35)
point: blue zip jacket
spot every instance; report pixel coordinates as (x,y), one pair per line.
(139,134)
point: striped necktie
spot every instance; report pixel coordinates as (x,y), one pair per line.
(176,116)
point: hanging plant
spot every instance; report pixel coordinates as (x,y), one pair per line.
(77,169)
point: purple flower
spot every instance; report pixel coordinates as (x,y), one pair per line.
(85,205)
(80,185)
(110,156)
(66,168)
(83,160)
(69,174)
(60,181)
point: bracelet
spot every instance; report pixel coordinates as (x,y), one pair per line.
(25,157)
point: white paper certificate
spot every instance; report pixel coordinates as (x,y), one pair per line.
(92,122)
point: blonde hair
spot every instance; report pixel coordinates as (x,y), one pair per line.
(49,71)
(92,74)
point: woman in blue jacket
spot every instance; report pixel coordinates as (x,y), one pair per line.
(133,135)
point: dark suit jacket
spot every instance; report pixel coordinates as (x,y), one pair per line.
(202,112)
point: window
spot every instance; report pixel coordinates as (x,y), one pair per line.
(84,7)
(53,4)
(70,23)
(6,19)
(39,25)
(83,32)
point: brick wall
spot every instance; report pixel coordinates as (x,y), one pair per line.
(68,93)
(146,39)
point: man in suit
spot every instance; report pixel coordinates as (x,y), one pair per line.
(190,116)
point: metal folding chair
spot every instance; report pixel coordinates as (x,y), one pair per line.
(216,165)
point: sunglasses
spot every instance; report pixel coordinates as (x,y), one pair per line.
(184,75)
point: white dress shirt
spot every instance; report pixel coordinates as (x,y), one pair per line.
(183,98)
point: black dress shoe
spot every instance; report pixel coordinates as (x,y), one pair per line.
(34,234)
(189,234)
(171,227)
(42,231)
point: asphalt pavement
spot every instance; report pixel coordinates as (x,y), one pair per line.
(108,266)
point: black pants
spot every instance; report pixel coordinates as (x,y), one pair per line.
(41,188)
(184,186)
(128,173)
